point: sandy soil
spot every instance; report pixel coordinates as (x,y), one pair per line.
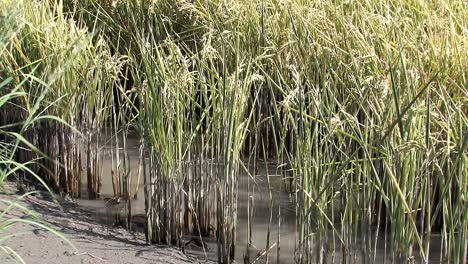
(94,242)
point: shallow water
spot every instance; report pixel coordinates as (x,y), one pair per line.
(264,217)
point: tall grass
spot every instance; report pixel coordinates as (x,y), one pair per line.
(9,168)
(361,104)
(79,76)
(12,141)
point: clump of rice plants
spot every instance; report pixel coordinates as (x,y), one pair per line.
(78,76)
(361,104)
(176,105)
(12,140)
(363,96)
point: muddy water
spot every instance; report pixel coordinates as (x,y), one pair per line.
(272,219)
(272,223)
(264,213)
(106,208)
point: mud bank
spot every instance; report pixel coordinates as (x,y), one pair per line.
(93,242)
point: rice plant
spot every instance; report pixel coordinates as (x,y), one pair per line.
(362,105)
(79,76)
(12,140)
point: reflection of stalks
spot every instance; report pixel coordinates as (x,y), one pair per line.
(270,205)
(249,223)
(115,163)
(278,247)
(139,172)
(253,157)
(127,176)
(278,242)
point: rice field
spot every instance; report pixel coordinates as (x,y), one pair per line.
(355,110)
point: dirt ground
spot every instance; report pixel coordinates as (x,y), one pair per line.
(94,242)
